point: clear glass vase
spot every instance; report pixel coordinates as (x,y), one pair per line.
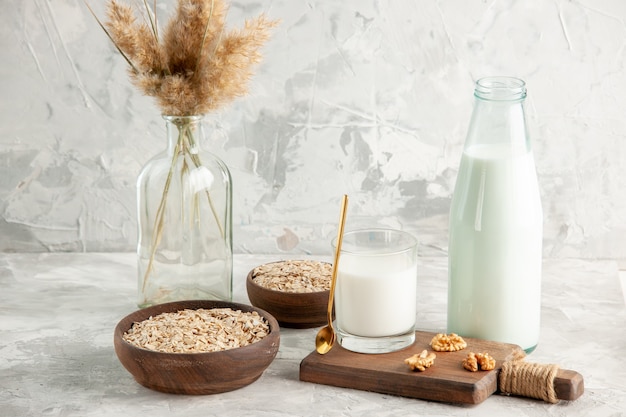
(184,200)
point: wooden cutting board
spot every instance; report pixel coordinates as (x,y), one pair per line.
(387,373)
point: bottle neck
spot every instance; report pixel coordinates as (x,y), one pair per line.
(498,117)
(184,132)
(506,89)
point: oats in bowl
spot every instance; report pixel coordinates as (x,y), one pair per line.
(200,330)
(197,347)
(294,276)
(295,292)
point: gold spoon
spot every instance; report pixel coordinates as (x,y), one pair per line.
(326,336)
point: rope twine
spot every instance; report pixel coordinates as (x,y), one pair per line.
(528,379)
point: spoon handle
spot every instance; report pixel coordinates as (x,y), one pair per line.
(333,281)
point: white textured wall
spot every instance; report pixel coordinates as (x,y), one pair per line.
(368,98)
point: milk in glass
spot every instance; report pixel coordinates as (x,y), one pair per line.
(376,291)
(375,296)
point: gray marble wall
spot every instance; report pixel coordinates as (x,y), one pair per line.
(369,98)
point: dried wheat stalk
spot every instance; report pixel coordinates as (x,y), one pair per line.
(196,65)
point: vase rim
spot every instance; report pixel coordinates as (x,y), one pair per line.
(170,117)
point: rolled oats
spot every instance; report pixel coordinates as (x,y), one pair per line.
(195,331)
(299,276)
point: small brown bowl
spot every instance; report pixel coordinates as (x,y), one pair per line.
(291,309)
(196,373)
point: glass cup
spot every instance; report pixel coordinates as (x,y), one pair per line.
(376,290)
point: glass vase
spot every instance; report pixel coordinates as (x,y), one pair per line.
(495,246)
(184,200)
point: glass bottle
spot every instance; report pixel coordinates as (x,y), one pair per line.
(184,200)
(495,241)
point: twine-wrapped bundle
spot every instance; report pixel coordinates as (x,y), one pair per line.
(528,379)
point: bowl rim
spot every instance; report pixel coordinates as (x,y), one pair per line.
(250,279)
(273,324)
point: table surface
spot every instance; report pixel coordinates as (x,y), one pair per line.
(58,312)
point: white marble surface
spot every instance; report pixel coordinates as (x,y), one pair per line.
(366,97)
(58,312)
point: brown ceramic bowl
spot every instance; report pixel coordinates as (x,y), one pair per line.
(196,373)
(291,309)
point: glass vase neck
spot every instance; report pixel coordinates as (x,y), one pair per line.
(183,120)
(184,132)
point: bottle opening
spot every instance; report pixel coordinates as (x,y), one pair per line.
(500,88)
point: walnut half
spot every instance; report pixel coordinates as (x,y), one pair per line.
(479,361)
(421,361)
(448,342)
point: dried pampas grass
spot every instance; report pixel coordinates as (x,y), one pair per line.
(195,66)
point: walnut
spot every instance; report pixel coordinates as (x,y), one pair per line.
(421,361)
(486,362)
(448,342)
(470,362)
(476,361)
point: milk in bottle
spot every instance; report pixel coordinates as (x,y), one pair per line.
(495,241)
